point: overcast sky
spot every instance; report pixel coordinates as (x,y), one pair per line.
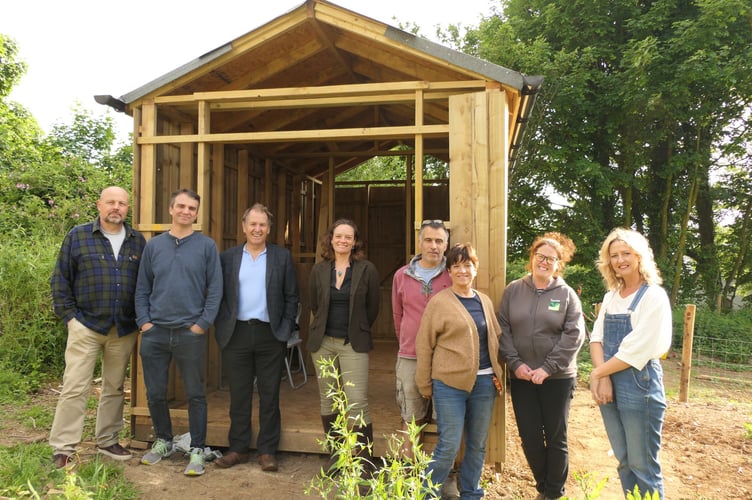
(76,49)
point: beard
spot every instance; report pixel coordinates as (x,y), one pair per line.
(113,218)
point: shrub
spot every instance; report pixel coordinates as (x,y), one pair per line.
(353,475)
(31,337)
(726,334)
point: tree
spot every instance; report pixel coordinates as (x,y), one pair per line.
(637,97)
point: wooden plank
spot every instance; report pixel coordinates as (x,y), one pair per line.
(242,193)
(419,160)
(203,164)
(148,162)
(364,90)
(480,164)
(216,204)
(135,201)
(497,185)
(461,195)
(187,166)
(161,228)
(301,135)
(301,425)
(268,181)
(280,211)
(688,340)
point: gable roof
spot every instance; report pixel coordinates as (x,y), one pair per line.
(320,44)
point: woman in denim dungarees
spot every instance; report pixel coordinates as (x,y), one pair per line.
(631,333)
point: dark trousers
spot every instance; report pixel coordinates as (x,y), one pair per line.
(158,347)
(542,412)
(254,353)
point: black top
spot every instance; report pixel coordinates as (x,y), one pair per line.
(339,306)
(475,308)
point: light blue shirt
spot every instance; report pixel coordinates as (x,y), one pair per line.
(252,287)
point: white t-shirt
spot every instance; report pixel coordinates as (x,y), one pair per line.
(116,240)
(651,320)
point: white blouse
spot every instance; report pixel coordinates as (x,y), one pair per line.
(651,320)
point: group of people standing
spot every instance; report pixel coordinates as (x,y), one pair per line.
(109,283)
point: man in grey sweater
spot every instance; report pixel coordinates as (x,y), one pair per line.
(178,293)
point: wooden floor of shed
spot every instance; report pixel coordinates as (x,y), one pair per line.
(301,422)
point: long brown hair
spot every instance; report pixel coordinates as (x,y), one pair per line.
(325,242)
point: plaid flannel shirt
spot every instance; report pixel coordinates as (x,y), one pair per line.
(90,285)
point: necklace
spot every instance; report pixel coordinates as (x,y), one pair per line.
(341,270)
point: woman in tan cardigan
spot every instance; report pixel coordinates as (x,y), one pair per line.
(457,349)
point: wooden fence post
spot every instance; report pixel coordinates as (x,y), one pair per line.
(686,366)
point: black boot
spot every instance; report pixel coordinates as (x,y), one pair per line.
(328,422)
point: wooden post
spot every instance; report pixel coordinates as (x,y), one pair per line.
(419,164)
(686,366)
(204,168)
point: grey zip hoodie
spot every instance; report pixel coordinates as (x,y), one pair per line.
(542,328)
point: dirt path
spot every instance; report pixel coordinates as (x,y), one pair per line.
(705,455)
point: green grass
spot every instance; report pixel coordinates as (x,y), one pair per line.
(26,471)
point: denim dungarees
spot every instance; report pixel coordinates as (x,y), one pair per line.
(635,419)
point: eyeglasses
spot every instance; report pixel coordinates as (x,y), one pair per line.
(546,258)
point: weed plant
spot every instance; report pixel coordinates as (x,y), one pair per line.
(353,476)
(32,340)
(27,472)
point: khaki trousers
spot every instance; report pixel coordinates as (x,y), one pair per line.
(353,369)
(81,352)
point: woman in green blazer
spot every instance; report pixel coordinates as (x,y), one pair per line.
(344,292)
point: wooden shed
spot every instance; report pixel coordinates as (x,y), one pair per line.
(275,115)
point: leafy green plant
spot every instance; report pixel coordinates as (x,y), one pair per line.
(26,472)
(635,495)
(352,475)
(747,430)
(589,485)
(32,339)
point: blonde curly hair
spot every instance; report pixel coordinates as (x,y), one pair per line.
(640,245)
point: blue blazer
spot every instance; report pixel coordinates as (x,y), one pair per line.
(281,293)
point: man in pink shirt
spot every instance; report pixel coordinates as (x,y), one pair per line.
(413,286)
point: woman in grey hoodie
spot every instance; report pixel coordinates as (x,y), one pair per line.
(542,332)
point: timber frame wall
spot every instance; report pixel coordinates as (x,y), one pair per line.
(172,150)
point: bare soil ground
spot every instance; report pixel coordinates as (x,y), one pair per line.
(705,455)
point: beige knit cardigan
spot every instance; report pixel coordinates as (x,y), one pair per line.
(447,344)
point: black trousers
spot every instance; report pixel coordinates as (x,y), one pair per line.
(254,353)
(542,413)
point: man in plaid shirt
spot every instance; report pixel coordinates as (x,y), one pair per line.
(93,287)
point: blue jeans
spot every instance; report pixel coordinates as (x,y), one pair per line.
(158,347)
(633,424)
(458,411)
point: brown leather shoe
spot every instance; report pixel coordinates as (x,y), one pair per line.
(61,460)
(116,452)
(231,459)
(268,463)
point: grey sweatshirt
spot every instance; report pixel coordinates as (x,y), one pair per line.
(541,328)
(179,282)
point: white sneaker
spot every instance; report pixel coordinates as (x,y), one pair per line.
(195,466)
(159,450)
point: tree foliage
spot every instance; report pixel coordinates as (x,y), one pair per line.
(639,98)
(47,185)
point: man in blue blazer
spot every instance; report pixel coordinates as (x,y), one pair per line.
(254,323)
